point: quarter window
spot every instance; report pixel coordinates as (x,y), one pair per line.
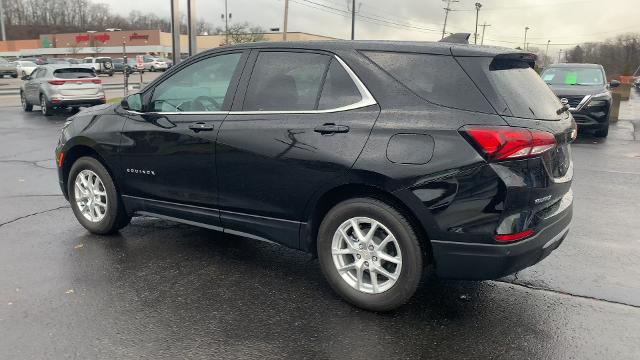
(338,90)
(201,86)
(286,81)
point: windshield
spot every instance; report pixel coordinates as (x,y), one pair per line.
(573,76)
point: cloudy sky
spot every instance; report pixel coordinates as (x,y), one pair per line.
(564,22)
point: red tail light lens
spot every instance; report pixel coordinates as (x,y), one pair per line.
(514,237)
(503,143)
(96,81)
(56,82)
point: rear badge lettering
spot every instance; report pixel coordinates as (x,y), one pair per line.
(141,172)
(542,199)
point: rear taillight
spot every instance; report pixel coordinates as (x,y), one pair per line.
(56,82)
(503,143)
(96,81)
(514,236)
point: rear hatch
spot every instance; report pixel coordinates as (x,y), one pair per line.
(77,82)
(524,100)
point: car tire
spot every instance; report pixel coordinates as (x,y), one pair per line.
(13,75)
(25,104)
(45,108)
(603,132)
(84,199)
(152,69)
(401,258)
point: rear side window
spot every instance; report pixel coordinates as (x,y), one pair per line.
(286,81)
(438,79)
(74,73)
(513,87)
(339,89)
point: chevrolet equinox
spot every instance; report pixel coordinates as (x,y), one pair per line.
(379,158)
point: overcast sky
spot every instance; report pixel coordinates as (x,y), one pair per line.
(564,22)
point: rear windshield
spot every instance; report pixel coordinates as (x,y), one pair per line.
(435,78)
(74,73)
(513,88)
(573,76)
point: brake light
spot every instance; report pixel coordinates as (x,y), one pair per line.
(56,82)
(503,143)
(514,237)
(96,81)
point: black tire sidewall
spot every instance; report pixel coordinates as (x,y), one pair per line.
(110,222)
(412,257)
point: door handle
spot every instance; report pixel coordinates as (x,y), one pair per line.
(200,126)
(331,128)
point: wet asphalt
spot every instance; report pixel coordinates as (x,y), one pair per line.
(161,290)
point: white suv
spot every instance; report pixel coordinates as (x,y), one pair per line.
(102,65)
(154,64)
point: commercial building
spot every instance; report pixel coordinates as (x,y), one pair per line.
(113,43)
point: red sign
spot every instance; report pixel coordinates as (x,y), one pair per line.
(136,36)
(103,38)
(80,38)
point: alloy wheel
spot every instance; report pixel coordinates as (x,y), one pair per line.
(91,196)
(43,105)
(366,255)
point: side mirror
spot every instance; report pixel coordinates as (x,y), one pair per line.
(614,84)
(132,102)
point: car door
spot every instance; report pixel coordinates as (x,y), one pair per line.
(300,124)
(167,153)
(32,87)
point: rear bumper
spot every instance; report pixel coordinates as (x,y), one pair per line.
(78,102)
(471,261)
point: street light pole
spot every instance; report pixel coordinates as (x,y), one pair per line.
(524,45)
(475,34)
(4,34)
(353,19)
(286,19)
(226,23)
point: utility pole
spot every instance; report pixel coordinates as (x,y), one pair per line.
(475,34)
(524,45)
(286,19)
(446,15)
(546,53)
(4,34)
(226,23)
(353,19)
(484,27)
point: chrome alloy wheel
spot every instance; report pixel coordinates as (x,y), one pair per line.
(366,255)
(91,196)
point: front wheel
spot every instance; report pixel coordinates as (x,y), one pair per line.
(94,198)
(370,254)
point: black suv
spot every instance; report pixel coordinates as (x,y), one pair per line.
(587,93)
(378,157)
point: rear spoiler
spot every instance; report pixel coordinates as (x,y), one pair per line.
(513,60)
(457,38)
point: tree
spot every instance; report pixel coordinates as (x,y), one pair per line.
(243,33)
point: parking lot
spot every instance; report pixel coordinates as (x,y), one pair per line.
(159,289)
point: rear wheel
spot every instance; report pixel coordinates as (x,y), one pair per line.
(370,254)
(603,132)
(94,198)
(13,75)
(25,104)
(45,108)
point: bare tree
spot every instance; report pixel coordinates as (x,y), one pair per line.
(243,33)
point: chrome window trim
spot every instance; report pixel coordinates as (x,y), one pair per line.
(366,100)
